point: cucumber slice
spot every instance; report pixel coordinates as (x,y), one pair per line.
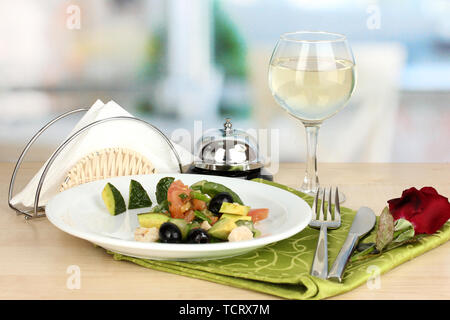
(162,187)
(138,196)
(113,200)
(182,225)
(193,225)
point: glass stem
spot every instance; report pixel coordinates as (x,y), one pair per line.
(311,180)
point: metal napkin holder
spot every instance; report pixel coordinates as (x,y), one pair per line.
(36,211)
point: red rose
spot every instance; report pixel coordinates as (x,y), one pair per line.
(425,209)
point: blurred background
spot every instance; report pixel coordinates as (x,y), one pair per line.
(175,61)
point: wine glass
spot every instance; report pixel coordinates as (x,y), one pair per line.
(312,76)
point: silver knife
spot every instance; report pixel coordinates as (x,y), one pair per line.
(363,222)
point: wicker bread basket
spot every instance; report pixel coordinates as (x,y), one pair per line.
(107,163)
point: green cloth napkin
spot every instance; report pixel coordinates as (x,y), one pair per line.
(282,268)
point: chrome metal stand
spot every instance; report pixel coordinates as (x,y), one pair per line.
(36,211)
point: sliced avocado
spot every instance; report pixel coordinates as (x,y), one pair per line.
(235,217)
(182,225)
(113,200)
(234,208)
(222,228)
(152,220)
(138,196)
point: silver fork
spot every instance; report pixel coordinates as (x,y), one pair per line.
(320,264)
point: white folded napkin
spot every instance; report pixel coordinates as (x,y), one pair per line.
(120,133)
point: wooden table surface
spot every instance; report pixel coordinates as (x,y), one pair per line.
(35,255)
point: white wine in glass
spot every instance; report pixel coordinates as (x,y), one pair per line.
(312,76)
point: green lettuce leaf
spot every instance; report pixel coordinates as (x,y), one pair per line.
(385,231)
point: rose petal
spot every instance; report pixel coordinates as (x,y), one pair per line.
(408,205)
(434,215)
(429,190)
(426,209)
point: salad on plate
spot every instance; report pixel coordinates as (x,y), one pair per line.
(205,212)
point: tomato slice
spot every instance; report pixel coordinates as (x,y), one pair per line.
(214,220)
(198,204)
(178,196)
(258,214)
(189,216)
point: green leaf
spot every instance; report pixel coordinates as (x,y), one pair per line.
(385,231)
(390,235)
(183,196)
(369,251)
(403,230)
(161,208)
(202,216)
(200,196)
(198,185)
(213,188)
(403,233)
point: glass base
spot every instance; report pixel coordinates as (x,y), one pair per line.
(312,193)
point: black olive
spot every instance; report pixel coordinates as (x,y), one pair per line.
(217,200)
(169,233)
(197,235)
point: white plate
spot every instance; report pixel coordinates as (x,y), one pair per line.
(80,211)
